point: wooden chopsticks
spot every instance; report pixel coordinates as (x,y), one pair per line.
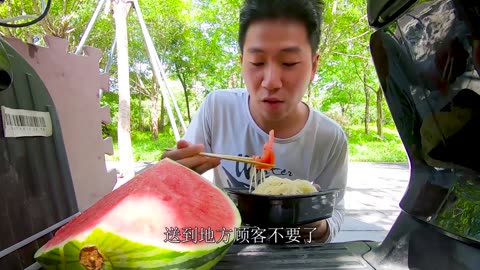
(230,157)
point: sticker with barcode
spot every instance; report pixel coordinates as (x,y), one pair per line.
(26,123)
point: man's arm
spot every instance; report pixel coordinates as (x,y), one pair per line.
(199,129)
(197,139)
(323,231)
(337,170)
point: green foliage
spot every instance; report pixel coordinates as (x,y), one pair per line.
(140,113)
(144,148)
(346,72)
(462,215)
(370,147)
(66,19)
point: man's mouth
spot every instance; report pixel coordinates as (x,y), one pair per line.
(271,100)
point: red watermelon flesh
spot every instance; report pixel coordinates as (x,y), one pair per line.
(167,195)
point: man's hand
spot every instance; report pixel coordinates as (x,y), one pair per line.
(317,231)
(187,155)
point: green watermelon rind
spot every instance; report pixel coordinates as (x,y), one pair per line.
(122,254)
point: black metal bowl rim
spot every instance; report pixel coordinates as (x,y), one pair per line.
(245,192)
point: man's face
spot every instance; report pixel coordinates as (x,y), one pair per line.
(277,66)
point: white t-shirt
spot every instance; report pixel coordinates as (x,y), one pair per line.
(318,153)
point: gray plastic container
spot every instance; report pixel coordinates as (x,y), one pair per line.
(36,190)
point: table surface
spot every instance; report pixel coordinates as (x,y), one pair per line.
(297,256)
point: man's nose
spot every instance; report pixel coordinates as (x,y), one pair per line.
(272,77)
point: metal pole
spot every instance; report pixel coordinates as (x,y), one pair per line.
(109,63)
(89,27)
(156,67)
(164,77)
(110,55)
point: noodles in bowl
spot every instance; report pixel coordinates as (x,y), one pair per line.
(274,185)
(282,202)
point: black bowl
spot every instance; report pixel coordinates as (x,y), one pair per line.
(282,211)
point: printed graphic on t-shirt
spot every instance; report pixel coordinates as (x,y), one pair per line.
(239,174)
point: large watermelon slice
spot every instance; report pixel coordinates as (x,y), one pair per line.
(168,217)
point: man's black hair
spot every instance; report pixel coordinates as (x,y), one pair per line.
(309,12)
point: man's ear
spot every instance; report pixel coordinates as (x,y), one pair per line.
(314,66)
